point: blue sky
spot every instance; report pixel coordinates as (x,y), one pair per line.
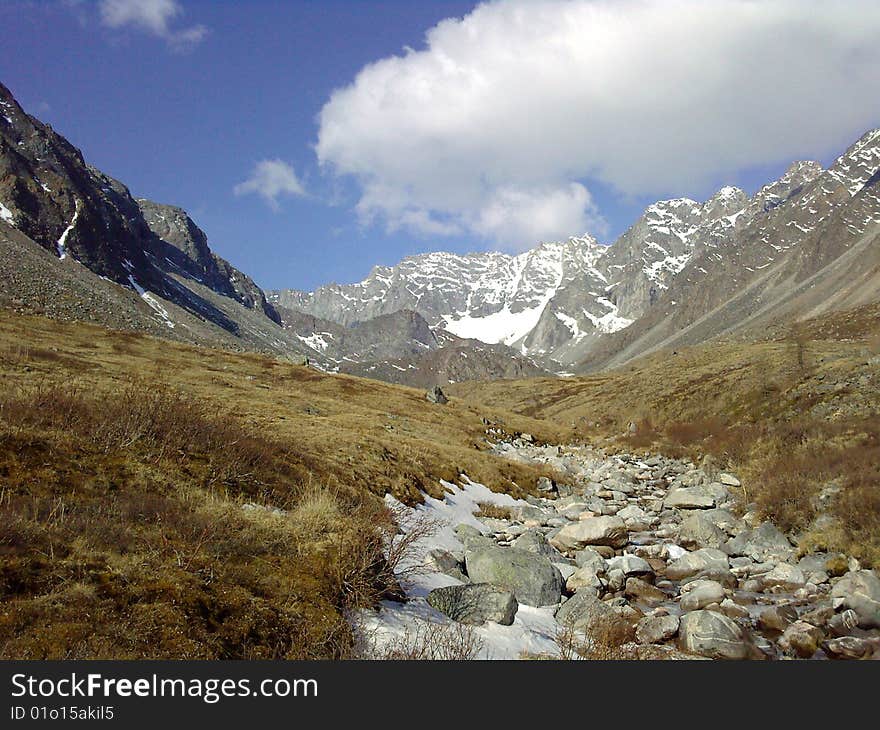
(181,99)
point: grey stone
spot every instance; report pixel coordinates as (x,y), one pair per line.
(446,563)
(689,498)
(533,579)
(784,576)
(475,603)
(777,618)
(436,395)
(630,565)
(700,594)
(610,531)
(695,562)
(698,531)
(583,610)
(712,635)
(764,543)
(655,629)
(801,639)
(859,591)
(852,647)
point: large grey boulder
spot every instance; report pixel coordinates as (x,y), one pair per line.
(534,541)
(785,577)
(588,557)
(533,579)
(699,561)
(689,498)
(606,530)
(583,578)
(475,603)
(583,611)
(701,593)
(763,544)
(859,591)
(630,565)
(698,531)
(712,635)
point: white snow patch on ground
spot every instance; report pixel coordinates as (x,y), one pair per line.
(533,630)
(316,340)
(6,215)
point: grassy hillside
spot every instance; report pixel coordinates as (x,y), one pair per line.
(126,463)
(798,414)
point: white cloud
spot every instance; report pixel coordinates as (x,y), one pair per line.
(271,179)
(492,128)
(152,16)
(515,217)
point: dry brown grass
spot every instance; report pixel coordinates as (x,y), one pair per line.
(124,465)
(605,640)
(494,511)
(431,642)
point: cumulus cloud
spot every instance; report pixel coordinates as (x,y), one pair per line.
(152,16)
(497,125)
(270,180)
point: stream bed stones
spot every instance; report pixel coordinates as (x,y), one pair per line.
(656,542)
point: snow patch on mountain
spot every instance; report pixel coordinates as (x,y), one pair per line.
(6,215)
(61,245)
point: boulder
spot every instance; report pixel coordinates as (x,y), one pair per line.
(801,639)
(692,563)
(701,593)
(655,629)
(585,577)
(475,603)
(532,579)
(698,531)
(852,647)
(583,611)
(777,618)
(860,591)
(630,565)
(534,541)
(446,563)
(436,395)
(784,576)
(610,531)
(689,498)
(640,590)
(764,543)
(712,635)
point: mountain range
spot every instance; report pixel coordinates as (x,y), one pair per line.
(75,244)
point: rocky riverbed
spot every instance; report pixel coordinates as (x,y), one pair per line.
(654,545)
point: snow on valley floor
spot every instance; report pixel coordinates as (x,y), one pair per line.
(533,631)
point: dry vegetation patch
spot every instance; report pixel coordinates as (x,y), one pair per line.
(159,500)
